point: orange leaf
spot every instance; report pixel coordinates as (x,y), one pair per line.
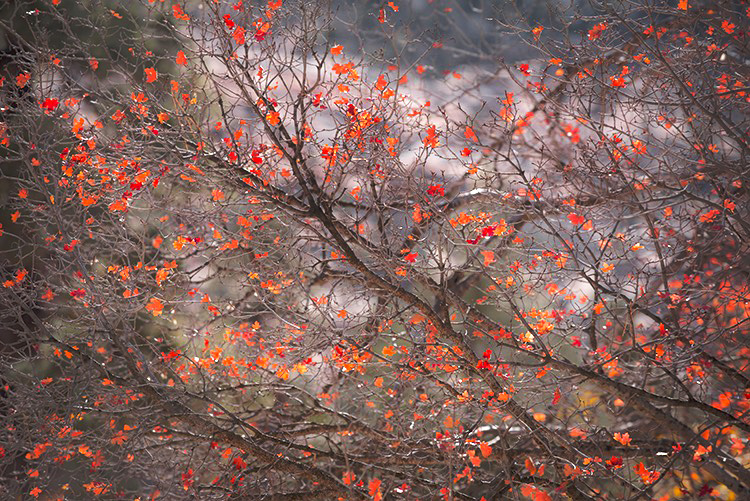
(417,318)
(597,30)
(118,205)
(348,477)
(448,422)
(161,276)
(374,486)
(23,79)
(382,83)
(179,13)
(273,118)
(489,257)
(119,439)
(485,449)
(77,125)
(239,35)
(181,59)
(155,306)
(623,438)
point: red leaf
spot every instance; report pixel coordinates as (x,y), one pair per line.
(556,397)
(576,219)
(150,74)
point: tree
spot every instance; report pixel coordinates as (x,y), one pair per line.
(295,250)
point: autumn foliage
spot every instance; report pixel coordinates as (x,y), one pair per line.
(397,250)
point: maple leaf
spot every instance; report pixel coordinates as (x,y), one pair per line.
(556,396)
(709,216)
(155,306)
(151,74)
(77,125)
(161,276)
(181,59)
(489,257)
(118,205)
(431,140)
(576,219)
(348,477)
(179,13)
(260,34)
(273,118)
(119,439)
(97,488)
(436,190)
(187,479)
(239,35)
(623,438)
(374,486)
(728,27)
(597,30)
(22,79)
(50,104)
(485,449)
(647,477)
